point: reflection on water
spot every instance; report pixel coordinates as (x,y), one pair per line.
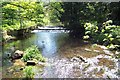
(48,43)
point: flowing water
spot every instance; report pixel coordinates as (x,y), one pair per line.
(66,57)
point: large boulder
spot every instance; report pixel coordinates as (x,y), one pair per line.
(17,55)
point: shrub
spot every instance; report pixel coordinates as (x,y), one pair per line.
(29,72)
(109,35)
(90,28)
(33,53)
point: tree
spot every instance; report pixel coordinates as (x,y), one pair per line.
(69,14)
(75,14)
(114,8)
(20,15)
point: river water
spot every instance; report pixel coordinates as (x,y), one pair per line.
(66,57)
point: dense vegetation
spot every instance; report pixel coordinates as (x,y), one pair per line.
(97,21)
(21,15)
(74,15)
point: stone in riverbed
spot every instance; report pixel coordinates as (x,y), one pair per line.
(78,59)
(117,52)
(31,62)
(89,50)
(96,51)
(18,65)
(74,59)
(18,54)
(108,52)
(41,63)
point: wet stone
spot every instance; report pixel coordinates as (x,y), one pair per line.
(78,59)
(30,62)
(17,55)
(42,63)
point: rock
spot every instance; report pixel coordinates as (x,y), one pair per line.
(96,51)
(21,68)
(108,52)
(7,55)
(41,63)
(18,54)
(31,62)
(86,49)
(19,62)
(7,37)
(75,59)
(103,47)
(117,52)
(82,59)
(18,65)
(78,59)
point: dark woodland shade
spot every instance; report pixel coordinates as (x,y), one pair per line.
(77,13)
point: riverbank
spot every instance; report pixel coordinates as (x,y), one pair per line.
(7,35)
(22,61)
(67,58)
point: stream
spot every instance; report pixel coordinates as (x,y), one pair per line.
(66,57)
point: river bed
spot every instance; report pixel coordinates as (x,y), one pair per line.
(66,57)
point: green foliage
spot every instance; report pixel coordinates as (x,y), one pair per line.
(109,35)
(20,15)
(33,53)
(112,32)
(80,12)
(74,15)
(29,72)
(90,28)
(55,9)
